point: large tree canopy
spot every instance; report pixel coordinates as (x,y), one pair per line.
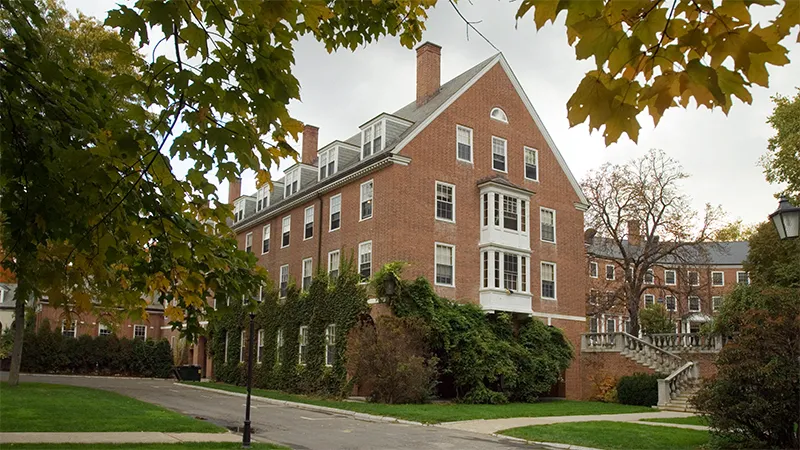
(658,54)
(782,161)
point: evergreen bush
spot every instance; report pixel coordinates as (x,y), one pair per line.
(638,389)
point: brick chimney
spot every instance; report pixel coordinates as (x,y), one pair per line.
(234,190)
(634,232)
(310,142)
(429,65)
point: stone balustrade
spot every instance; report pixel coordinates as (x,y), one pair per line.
(682,378)
(686,342)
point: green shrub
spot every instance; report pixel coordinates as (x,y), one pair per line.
(655,319)
(638,389)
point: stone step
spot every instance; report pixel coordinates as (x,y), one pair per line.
(677,408)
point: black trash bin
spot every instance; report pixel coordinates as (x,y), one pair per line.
(188,373)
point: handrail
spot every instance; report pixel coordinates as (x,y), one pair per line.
(652,346)
(678,371)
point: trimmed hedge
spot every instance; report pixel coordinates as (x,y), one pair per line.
(47,351)
(638,389)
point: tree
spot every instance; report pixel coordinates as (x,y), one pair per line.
(772,261)
(641,216)
(93,214)
(734,231)
(654,320)
(658,54)
(782,161)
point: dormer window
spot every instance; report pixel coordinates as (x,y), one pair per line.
(327,163)
(262,198)
(238,210)
(372,139)
(291,182)
(499,114)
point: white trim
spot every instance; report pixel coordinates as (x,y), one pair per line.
(306,222)
(674,277)
(140,325)
(241,347)
(596,269)
(613,272)
(525,149)
(329,363)
(689,278)
(303,266)
(436,201)
(227,344)
(555,280)
(300,344)
(471,146)
(744,272)
(503,118)
(280,279)
(101,327)
(259,344)
(652,277)
(248,236)
(674,302)
(644,299)
(689,304)
(715,307)
(712,278)
(361,200)
(283,231)
(541,238)
(436,245)
(339,262)
(266,230)
(505,154)
(371,259)
(330,213)
(559,316)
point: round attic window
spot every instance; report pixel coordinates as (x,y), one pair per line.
(499,114)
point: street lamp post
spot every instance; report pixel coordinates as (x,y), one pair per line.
(786,219)
(246,432)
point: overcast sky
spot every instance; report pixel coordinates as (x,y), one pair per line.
(340,91)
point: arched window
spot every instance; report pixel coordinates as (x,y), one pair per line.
(499,114)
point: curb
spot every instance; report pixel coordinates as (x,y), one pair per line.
(106,377)
(554,445)
(323,409)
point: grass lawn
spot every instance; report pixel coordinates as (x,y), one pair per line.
(449,412)
(693,420)
(613,435)
(182,446)
(31,407)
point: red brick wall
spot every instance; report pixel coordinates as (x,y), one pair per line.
(87,323)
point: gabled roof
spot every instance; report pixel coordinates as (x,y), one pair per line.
(708,253)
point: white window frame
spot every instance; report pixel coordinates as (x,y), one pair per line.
(371,199)
(338,261)
(265,237)
(712,278)
(260,346)
(307,273)
(716,303)
(248,242)
(471,147)
(689,278)
(141,327)
(689,303)
(541,222)
(238,209)
(241,346)
(505,154)
(227,344)
(326,159)
(596,267)
(278,346)
(652,275)
(330,341)
(555,280)
(613,272)
(501,117)
(332,212)
(738,273)
(652,299)
(306,222)
(452,264)
(436,201)
(302,341)
(525,151)
(286,227)
(674,277)
(613,320)
(73,329)
(674,303)
(262,198)
(361,252)
(289,178)
(101,327)
(283,274)
(380,127)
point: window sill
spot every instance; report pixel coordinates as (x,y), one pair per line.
(444,285)
(365,219)
(438,219)
(549,299)
(464,161)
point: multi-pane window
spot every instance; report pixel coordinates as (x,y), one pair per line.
(716,303)
(291,182)
(611,325)
(486,210)
(498,114)
(104,330)
(669,277)
(333,265)
(302,354)
(718,278)
(330,344)
(593,325)
(670,303)
(510,271)
(366,200)
(593,269)
(139,331)
(262,198)
(68,328)
(372,138)
(307,272)
(327,163)
(445,201)
(548,225)
(365,260)
(649,277)
(336,212)
(285,230)
(260,346)
(610,272)
(649,300)
(510,213)
(284,281)
(531,164)
(694,278)
(242,346)
(463,143)
(308,223)
(497,269)
(248,243)
(445,264)
(694,303)
(742,277)
(523,273)
(238,210)
(227,341)
(278,346)
(265,232)
(486,269)
(498,154)
(548,280)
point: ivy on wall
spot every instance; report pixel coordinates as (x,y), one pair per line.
(341,301)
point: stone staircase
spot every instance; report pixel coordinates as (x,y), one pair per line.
(682,402)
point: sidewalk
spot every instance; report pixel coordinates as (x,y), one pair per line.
(135,437)
(492,426)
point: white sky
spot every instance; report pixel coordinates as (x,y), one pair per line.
(340,91)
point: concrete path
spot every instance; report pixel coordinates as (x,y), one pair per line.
(494,425)
(115,438)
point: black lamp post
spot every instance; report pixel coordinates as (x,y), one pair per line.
(246,433)
(786,219)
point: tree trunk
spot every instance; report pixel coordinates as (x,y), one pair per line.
(633,312)
(20,297)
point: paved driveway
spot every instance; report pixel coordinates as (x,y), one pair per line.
(296,428)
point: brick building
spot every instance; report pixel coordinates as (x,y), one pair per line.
(464,183)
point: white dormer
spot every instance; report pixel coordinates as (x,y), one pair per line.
(291,181)
(380,132)
(262,198)
(327,162)
(238,208)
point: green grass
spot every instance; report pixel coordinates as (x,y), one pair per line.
(31,407)
(449,412)
(181,446)
(613,435)
(693,420)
